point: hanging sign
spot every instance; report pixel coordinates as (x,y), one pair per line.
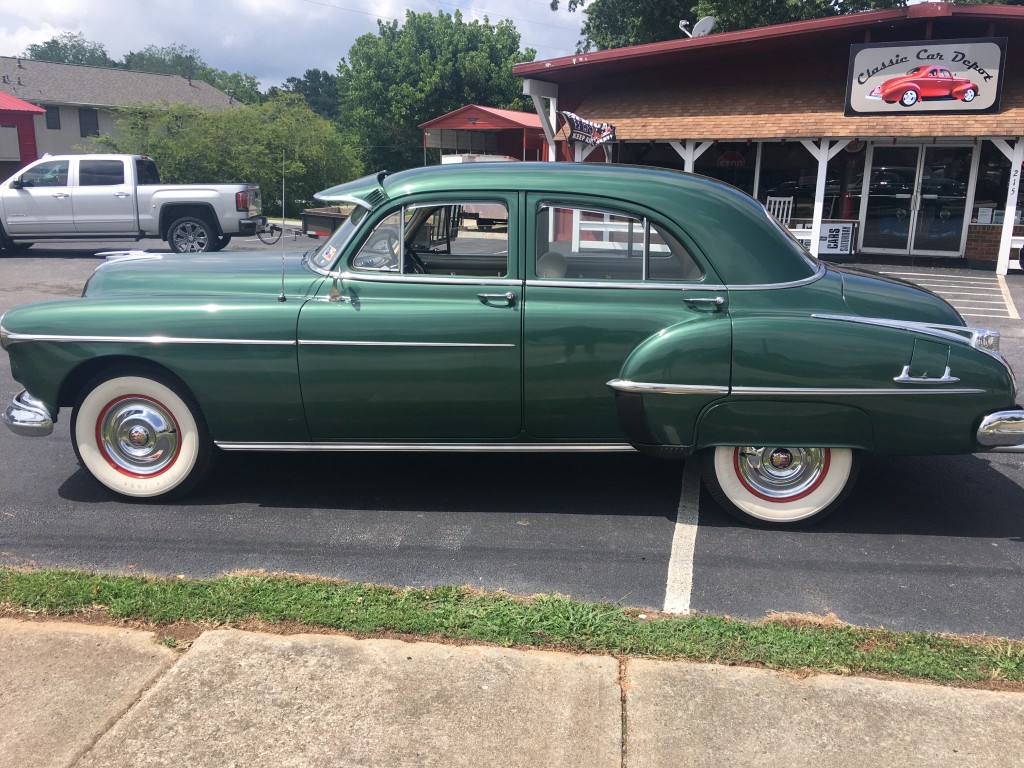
(926,77)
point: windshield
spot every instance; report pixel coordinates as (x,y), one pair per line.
(328,251)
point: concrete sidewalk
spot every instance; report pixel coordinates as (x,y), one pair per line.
(77,695)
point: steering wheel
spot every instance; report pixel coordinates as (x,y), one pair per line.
(413,263)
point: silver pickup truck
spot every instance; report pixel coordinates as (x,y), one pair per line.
(110,197)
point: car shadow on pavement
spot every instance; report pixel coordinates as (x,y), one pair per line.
(610,484)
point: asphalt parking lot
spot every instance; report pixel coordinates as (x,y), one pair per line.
(930,543)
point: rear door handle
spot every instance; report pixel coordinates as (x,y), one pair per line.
(122,194)
(509,298)
(714,303)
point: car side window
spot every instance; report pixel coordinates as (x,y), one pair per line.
(581,244)
(463,239)
(100,173)
(49,174)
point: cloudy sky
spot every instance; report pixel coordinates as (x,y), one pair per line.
(271,39)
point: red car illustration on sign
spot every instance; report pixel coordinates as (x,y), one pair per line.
(925,83)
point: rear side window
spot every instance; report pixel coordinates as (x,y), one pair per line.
(589,244)
(146,171)
(100,173)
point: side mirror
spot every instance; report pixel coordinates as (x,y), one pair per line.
(16,183)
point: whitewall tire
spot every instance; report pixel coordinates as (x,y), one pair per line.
(779,486)
(141,436)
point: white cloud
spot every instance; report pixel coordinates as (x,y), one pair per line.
(271,39)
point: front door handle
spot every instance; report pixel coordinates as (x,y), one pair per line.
(509,298)
(61,195)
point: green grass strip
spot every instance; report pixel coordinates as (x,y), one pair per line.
(547,621)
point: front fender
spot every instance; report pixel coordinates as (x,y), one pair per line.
(238,357)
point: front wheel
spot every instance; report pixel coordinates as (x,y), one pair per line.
(141,436)
(909,98)
(779,487)
(191,235)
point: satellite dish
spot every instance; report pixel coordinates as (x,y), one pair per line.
(703,27)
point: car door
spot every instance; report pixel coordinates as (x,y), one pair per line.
(416,336)
(618,305)
(103,197)
(42,205)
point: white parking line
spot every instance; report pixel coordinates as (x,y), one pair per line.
(966,294)
(680,565)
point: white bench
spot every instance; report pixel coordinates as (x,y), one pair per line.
(1016,243)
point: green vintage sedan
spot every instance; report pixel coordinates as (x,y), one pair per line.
(620,309)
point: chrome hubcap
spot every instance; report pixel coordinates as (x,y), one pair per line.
(138,436)
(781,474)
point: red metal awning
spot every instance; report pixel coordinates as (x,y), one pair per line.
(10,103)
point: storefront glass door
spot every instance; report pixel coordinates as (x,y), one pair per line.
(916,200)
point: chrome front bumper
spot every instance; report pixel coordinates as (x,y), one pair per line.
(1003,429)
(28,417)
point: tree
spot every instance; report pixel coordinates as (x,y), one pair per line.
(409,73)
(70,48)
(319,88)
(247,143)
(177,59)
(619,23)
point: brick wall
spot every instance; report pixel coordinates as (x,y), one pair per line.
(983,241)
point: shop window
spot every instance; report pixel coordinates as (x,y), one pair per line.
(993,184)
(730,161)
(53,118)
(789,170)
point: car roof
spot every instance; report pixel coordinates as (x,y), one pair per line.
(740,240)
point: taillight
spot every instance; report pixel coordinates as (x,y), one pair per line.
(242,201)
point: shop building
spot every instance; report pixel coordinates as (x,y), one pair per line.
(897,132)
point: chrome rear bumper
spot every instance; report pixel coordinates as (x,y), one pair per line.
(28,417)
(1003,430)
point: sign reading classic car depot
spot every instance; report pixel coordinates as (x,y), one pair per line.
(926,76)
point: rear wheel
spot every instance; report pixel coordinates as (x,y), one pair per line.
(220,242)
(191,235)
(141,436)
(777,486)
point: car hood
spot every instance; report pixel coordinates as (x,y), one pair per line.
(235,273)
(870,294)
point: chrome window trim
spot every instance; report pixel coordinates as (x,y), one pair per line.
(346,199)
(648,286)
(396,277)
(423,447)
(653,388)
(332,343)
(12,338)
(822,270)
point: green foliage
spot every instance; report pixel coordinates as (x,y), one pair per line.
(70,48)
(244,144)
(549,621)
(410,73)
(318,88)
(619,23)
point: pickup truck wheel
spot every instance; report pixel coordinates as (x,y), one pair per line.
(141,436)
(779,486)
(191,235)
(220,242)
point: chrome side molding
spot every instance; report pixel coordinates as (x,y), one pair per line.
(426,447)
